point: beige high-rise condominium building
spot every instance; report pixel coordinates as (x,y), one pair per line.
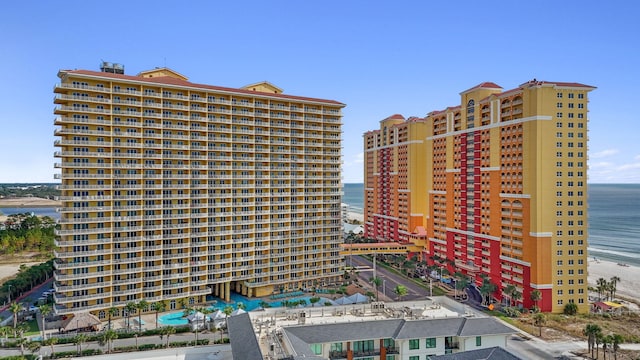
(173,190)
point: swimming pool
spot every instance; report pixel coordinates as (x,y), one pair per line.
(176,318)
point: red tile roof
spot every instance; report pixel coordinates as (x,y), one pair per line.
(484,85)
(395,117)
(556,83)
(178,82)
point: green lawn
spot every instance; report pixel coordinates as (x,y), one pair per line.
(33,328)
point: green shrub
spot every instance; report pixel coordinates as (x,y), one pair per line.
(182,329)
(152,332)
(176,344)
(64,354)
(18,357)
(91,352)
(144,347)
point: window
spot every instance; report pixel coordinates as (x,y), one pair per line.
(478,340)
(317,349)
(431,343)
(580,96)
(365,345)
(559,105)
(559,95)
(570,96)
(336,347)
(415,357)
(414,344)
(559,115)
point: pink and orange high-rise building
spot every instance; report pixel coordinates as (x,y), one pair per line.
(496,185)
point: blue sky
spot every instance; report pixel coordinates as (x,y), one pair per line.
(378,57)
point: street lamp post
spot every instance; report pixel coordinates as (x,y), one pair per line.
(384,288)
(9,295)
(374,265)
(430,287)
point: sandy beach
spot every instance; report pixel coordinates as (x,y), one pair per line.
(28,202)
(355,216)
(629,285)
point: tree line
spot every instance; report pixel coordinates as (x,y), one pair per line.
(26,232)
(44,190)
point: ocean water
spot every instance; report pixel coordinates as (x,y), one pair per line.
(614,219)
(614,222)
(354,197)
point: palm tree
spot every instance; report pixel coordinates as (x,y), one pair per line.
(197,327)
(601,286)
(376,281)
(535,296)
(111,312)
(539,319)
(160,306)
(228,310)
(486,289)
(515,296)
(461,283)
(141,305)
(4,332)
(241,305)
(598,341)
(313,301)
(508,290)
(206,311)
(22,341)
(130,308)
(616,340)
(606,341)
(187,310)
(79,340)
(401,291)
(107,339)
(44,311)
(409,266)
(51,342)
(591,331)
(613,285)
(15,308)
(34,346)
(167,331)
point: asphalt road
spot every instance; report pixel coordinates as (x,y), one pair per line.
(390,280)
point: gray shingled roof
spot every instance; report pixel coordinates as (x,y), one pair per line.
(244,344)
(302,336)
(482,326)
(430,328)
(362,330)
(494,353)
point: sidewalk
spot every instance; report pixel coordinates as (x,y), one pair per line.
(46,350)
